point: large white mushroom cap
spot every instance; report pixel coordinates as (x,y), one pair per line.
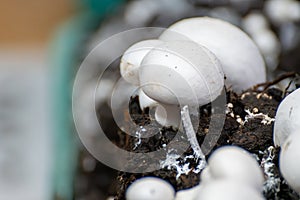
(181,72)
(241,60)
(227,190)
(236,164)
(289,162)
(150,188)
(287,119)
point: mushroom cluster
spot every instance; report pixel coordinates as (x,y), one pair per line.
(286,135)
(186,66)
(235,169)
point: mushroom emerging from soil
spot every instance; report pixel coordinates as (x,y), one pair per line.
(289,163)
(241,60)
(287,119)
(150,188)
(234,164)
(173,73)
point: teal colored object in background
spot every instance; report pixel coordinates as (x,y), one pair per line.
(66,55)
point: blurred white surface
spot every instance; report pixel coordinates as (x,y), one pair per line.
(25,141)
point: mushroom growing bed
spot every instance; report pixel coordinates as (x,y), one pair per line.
(249,124)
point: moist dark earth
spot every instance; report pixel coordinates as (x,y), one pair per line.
(251,133)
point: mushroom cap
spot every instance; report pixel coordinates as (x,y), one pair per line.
(227,190)
(282,11)
(287,119)
(241,60)
(132,58)
(181,72)
(289,163)
(149,188)
(234,163)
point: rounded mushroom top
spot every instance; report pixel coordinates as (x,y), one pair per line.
(236,164)
(132,58)
(287,119)
(289,163)
(227,190)
(149,188)
(241,60)
(181,72)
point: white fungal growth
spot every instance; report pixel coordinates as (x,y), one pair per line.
(272,182)
(265,119)
(182,166)
(189,130)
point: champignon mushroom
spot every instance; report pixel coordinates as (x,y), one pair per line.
(227,190)
(287,119)
(282,11)
(132,58)
(150,188)
(235,164)
(289,163)
(187,194)
(241,60)
(180,73)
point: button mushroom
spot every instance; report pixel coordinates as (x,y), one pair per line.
(241,60)
(287,119)
(235,164)
(289,164)
(150,188)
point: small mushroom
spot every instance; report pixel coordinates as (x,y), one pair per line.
(132,58)
(234,49)
(287,119)
(282,11)
(236,164)
(150,188)
(289,163)
(258,28)
(180,73)
(227,190)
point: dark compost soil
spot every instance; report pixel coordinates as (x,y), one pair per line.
(252,133)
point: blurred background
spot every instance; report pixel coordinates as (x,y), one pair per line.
(42,43)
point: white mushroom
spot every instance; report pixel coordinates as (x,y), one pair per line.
(258,28)
(236,164)
(227,190)
(180,73)
(241,60)
(150,188)
(132,58)
(287,119)
(282,11)
(289,163)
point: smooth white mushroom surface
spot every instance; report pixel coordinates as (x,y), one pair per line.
(150,188)
(181,72)
(132,58)
(289,162)
(227,190)
(282,11)
(240,58)
(236,164)
(287,119)
(178,73)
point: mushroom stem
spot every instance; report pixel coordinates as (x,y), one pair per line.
(168,115)
(187,124)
